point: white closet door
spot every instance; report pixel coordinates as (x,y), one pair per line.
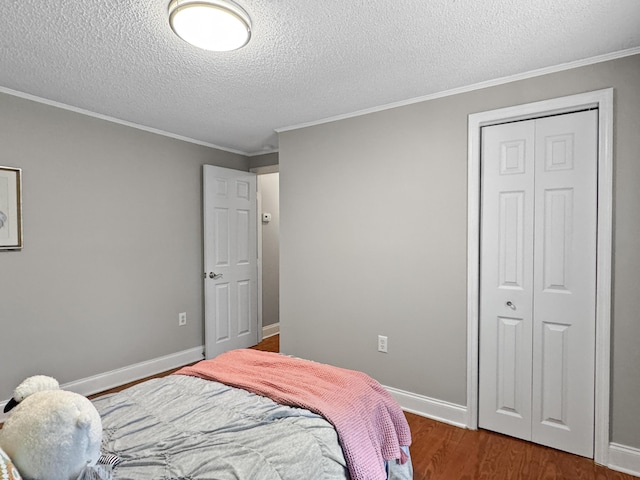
(537,311)
(565,282)
(506,282)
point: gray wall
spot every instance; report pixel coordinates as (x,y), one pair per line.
(112,244)
(373,237)
(264,160)
(268,185)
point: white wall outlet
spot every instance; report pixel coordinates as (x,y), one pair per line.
(182,319)
(382,343)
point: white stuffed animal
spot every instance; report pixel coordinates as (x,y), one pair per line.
(51,434)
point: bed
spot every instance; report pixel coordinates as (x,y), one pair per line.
(213,421)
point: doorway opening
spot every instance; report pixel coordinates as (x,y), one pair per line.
(268,250)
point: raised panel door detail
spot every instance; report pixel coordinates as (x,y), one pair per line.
(242,223)
(244,307)
(243,190)
(223,312)
(221,235)
(221,187)
(558,216)
(511,248)
(555,343)
(510,342)
(512,157)
(559,152)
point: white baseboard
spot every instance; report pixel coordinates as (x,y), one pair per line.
(115,378)
(621,457)
(270,330)
(624,459)
(431,408)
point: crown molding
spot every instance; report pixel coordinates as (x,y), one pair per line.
(470,88)
(82,111)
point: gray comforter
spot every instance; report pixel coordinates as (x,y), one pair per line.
(181,427)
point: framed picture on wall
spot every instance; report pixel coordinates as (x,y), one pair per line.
(10,208)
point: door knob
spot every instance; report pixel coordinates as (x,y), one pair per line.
(510,305)
(215,276)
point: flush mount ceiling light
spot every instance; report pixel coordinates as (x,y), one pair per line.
(218,25)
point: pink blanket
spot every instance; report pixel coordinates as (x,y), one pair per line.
(370,424)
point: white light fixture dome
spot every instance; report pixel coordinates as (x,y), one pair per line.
(218,25)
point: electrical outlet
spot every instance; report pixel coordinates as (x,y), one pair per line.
(182,319)
(382,343)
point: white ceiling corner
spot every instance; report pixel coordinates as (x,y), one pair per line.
(306,60)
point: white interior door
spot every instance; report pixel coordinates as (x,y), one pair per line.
(506,282)
(538,282)
(230,260)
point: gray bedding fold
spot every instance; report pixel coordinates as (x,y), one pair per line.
(181,427)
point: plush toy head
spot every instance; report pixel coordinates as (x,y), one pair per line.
(51,434)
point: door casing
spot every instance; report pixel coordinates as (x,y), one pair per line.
(603,100)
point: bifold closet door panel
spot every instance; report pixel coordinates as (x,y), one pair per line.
(565,282)
(506,278)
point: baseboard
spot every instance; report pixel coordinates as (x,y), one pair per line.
(431,408)
(624,459)
(270,330)
(621,457)
(115,378)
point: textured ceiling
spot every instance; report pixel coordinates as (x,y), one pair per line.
(307,59)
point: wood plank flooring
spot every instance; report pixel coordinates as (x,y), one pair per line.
(444,452)
(269,344)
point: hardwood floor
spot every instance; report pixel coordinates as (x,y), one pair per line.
(444,452)
(270,344)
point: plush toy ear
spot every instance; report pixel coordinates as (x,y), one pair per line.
(83,421)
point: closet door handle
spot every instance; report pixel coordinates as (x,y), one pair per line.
(215,276)
(510,305)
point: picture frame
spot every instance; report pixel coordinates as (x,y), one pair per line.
(10,208)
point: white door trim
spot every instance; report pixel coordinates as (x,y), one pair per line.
(603,100)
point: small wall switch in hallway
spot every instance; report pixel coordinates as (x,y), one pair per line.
(382,343)
(182,319)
